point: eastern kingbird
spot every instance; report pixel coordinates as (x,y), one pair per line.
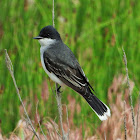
(63,68)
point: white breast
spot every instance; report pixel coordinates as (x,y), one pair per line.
(51,75)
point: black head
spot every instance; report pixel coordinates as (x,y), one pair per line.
(48,32)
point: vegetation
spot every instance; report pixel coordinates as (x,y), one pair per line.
(95,31)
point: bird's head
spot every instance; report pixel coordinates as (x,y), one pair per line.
(48,35)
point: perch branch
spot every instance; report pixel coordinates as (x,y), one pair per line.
(53,16)
(59,105)
(58,95)
(105,135)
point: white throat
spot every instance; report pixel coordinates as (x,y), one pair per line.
(45,42)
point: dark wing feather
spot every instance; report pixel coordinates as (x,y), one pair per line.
(72,77)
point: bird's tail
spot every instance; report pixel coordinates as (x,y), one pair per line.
(102,110)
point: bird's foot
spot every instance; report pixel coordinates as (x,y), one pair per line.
(58,90)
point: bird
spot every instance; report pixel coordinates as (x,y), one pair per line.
(62,67)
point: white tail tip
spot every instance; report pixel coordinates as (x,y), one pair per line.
(105,115)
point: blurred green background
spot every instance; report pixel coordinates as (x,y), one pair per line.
(95,30)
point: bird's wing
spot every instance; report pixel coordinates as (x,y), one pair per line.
(72,77)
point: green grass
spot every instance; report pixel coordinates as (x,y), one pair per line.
(88,28)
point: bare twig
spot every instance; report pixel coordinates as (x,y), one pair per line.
(10,68)
(105,135)
(54,120)
(130,93)
(56,128)
(59,105)
(53,15)
(137,117)
(125,129)
(67,121)
(39,122)
(58,95)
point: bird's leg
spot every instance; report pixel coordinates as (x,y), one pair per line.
(58,90)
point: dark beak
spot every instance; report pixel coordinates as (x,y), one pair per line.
(38,37)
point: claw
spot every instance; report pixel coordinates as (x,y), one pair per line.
(58,90)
